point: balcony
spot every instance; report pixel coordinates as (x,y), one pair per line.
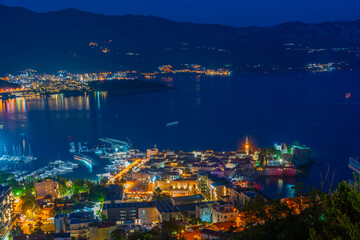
(354,164)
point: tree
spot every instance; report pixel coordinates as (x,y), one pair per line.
(271,151)
(170,229)
(186,217)
(103,217)
(27,206)
(317,216)
(16,231)
(152,234)
(78,186)
(159,195)
(97,193)
(118,234)
(37,230)
(104,180)
(262,157)
(340,215)
(37,210)
(64,189)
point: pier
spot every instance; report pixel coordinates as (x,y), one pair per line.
(114,143)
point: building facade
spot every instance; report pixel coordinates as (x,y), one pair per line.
(47,188)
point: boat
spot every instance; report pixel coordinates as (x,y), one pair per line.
(111,168)
(108,175)
(85,159)
(29,159)
(18,158)
(4,169)
(72,147)
(172,123)
(98,151)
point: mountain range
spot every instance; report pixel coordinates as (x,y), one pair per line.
(79,41)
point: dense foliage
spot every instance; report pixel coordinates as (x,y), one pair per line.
(159,195)
(95,190)
(170,230)
(316,216)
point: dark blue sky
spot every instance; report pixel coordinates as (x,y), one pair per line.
(231,12)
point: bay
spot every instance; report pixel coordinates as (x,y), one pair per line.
(213,113)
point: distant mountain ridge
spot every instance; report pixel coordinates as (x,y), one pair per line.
(62,40)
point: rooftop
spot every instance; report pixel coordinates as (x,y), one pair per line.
(114,192)
(218,234)
(102,224)
(163,206)
(197,197)
(166,207)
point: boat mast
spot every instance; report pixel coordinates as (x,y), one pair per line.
(30,152)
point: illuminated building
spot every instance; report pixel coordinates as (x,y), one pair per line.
(224,213)
(218,172)
(152,152)
(47,188)
(101,231)
(141,213)
(79,223)
(212,186)
(60,223)
(247,146)
(204,211)
(197,198)
(6,200)
(178,186)
(239,196)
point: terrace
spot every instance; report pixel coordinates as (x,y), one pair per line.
(354,164)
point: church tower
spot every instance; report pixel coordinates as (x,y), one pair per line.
(247,146)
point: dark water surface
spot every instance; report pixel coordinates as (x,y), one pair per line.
(213,112)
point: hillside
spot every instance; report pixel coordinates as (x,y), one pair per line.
(6,85)
(80,41)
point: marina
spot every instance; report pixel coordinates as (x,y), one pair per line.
(53,169)
(18,155)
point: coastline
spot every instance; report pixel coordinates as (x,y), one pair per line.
(142,87)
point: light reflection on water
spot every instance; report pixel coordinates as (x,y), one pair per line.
(213,113)
(52,103)
(19,115)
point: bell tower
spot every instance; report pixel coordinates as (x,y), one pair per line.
(247,146)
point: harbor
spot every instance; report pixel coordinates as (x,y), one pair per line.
(113,156)
(18,156)
(53,169)
(47,126)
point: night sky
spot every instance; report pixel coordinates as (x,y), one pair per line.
(230,12)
